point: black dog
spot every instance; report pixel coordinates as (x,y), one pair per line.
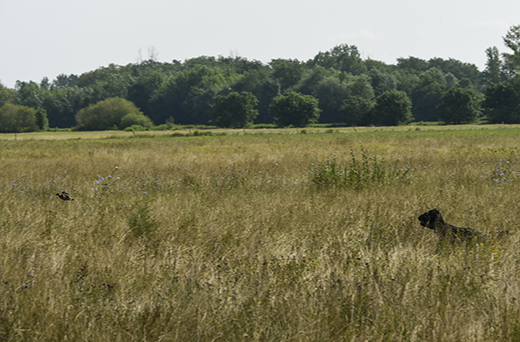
(433,219)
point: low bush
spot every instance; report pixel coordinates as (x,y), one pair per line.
(357,173)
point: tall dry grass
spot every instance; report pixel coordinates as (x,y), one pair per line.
(227,238)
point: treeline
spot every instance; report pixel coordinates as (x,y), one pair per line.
(336,86)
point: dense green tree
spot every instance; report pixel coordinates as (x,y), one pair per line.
(108,114)
(372,64)
(311,79)
(59,108)
(456,68)
(427,95)
(185,91)
(188,96)
(330,93)
(236,110)
(341,57)
(15,119)
(502,102)
(259,82)
(65,81)
(142,91)
(512,41)
(382,81)
(6,95)
(41,119)
(392,108)
(493,71)
(358,102)
(295,109)
(238,64)
(412,64)
(288,72)
(357,110)
(460,105)
(360,86)
(29,94)
(45,83)
(234,64)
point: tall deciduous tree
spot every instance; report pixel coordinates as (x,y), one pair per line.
(29,94)
(287,72)
(460,105)
(512,41)
(356,110)
(382,81)
(330,93)
(14,119)
(6,95)
(493,71)
(502,102)
(41,119)
(295,109)
(259,82)
(427,95)
(188,96)
(235,110)
(359,101)
(341,57)
(392,108)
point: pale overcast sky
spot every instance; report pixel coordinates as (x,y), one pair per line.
(41,38)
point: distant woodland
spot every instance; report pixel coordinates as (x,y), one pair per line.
(335,87)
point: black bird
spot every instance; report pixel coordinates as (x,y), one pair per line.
(65,196)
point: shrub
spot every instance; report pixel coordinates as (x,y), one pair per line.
(135,119)
(356,174)
(14,118)
(113,113)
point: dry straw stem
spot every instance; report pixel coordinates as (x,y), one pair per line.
(234,242)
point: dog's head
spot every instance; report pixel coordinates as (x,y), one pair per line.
(429,218)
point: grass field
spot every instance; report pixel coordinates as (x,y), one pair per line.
(266,237)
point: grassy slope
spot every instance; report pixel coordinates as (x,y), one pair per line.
(226,238)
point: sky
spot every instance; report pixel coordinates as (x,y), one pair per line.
(45,38)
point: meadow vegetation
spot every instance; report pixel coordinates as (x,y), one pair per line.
(251,237)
